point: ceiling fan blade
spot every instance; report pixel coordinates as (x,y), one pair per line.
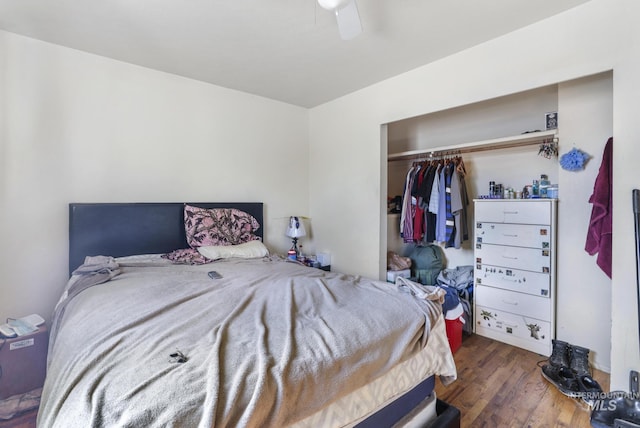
(333,4)
(349,21)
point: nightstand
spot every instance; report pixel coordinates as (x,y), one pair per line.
(312,261)
(23,362)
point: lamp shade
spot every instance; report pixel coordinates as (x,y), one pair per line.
(295,228)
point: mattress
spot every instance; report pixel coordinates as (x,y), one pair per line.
(376,395)
(271,343)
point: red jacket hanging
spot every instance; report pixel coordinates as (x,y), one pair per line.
(601,223)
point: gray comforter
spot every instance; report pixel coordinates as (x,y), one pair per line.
(268,344)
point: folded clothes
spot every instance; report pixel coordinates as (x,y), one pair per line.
(459,277)
(451,300)
(455,313)
(96,264)
(397,262)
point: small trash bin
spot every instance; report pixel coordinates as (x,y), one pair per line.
(454,333)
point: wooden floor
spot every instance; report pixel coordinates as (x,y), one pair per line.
(501,386)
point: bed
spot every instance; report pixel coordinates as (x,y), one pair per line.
(271,342)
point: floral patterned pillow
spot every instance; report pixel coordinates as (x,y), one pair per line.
(218,226)
(186,256)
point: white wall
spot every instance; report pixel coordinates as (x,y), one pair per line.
(3,128)
(504,116)
(626,131)
(584,291)
(83,128)
(345,136)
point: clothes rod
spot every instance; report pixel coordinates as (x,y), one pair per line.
(523,140)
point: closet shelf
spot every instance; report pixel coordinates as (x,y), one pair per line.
(527,139)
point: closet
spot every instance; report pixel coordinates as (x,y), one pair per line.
(509,247)
(512,161)
(491,138)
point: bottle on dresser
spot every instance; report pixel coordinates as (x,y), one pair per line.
(544,185)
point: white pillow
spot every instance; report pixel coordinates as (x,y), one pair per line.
(248,250)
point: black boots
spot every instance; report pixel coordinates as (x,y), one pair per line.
(562,378)
(574,357)
(559,354)
(580,360)
(568,370)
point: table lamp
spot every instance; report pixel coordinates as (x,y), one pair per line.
(294,231)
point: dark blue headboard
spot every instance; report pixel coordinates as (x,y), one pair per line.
(125,229)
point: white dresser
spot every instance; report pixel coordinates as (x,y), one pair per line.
(515,264)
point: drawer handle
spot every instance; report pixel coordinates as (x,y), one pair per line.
(509,257)
(510,235)
(511,212)
(510,302)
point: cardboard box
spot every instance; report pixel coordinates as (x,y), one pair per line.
(23,363)
(393,274)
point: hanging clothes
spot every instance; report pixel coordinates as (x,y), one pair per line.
(408,207)
(600,229)
(455,240)
(459,204)
(464,196)
(434,203)
(426,195)
(449,222)
(441,215)
(418,216)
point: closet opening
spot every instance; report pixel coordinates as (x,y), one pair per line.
(584,109)
(498,141)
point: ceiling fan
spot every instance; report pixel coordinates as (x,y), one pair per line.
(346,15)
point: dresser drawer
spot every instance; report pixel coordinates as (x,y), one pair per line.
(518,330)
(532,259)
(518,235)
(510,301)
(522,212)
(534,283)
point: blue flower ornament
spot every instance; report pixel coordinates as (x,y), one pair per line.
(574,160)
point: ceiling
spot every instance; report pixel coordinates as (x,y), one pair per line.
(286,50)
